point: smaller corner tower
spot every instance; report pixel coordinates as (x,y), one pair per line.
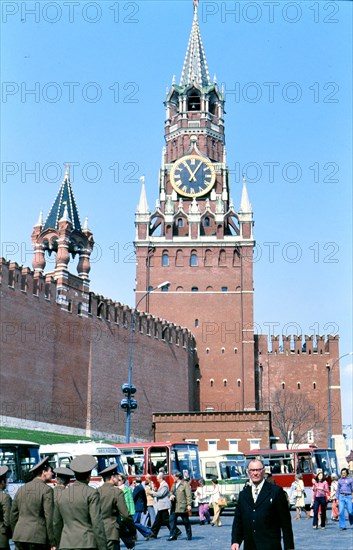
(63,234)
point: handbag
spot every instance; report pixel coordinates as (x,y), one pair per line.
(222,501)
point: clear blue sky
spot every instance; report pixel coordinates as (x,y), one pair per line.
(100,72)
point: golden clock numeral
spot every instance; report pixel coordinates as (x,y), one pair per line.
(193,162)
(184,189)
(201,189)
(208,176)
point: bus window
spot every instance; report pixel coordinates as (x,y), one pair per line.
(322,462)
(135,460)
(333,462)
(158,459)
(211,470)
(185,458)
(229,470)
(8,458)
(65,461)
(303,463)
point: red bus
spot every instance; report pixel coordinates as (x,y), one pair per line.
(285,463)
(140,459)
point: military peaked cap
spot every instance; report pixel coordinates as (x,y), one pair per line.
(40,466)
(83,464)
(64,472)
(111,470)
(3,471)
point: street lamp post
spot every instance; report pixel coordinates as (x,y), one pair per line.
(329,374)
(129,403)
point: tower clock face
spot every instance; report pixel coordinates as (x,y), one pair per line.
(192,176)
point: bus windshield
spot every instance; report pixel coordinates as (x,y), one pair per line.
(19,458)
(231,469)
(325,460)
(185,458)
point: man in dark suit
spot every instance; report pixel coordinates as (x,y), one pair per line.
(262,514)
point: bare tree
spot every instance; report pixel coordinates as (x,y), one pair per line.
(293,416)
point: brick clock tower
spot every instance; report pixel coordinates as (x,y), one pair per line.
(197,240)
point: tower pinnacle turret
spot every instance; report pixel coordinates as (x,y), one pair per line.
(195,69)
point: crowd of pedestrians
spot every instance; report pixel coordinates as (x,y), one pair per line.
(75,515)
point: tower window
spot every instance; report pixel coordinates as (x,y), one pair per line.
(165,288)
(165,260)
(196,323)
(208,258)
(211,382)
(207,222)
(222,258)
(224,289)
(179,260)
(298,385)
(283,385)
(194,261)
(314,385)
(180,222)
(238,382)
(225,382)
(194,102)
(195,289)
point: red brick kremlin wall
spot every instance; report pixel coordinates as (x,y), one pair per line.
(300,365)
(66,368)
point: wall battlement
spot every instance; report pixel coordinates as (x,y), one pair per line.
(88,304)
(289,345)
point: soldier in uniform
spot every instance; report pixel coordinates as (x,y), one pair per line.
(78,521)
(114,509)
(63,477)
(5,511)
(32,511)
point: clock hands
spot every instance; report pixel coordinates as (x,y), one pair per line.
(193,173)
(190,172)
(192,176)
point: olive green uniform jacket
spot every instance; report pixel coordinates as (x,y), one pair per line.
(58,489)
(5,513)
(78,521)
(113,506)
(183,497)
(32,513)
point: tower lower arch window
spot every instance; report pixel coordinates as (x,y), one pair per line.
(165,259)
(194,261)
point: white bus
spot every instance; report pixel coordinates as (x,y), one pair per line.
(61,454)
(19,456)
(229,468)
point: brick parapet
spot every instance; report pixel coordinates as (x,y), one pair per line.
(286,345)
(201,427)
(20,278)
